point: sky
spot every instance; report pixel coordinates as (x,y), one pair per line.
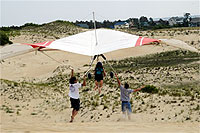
(19,12)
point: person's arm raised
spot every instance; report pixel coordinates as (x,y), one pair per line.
(84,81)
(72,72)
(104,73)
(139,89)
(118,81)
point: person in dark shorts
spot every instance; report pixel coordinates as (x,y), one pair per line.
(125,97)
(99,74)
(74,94)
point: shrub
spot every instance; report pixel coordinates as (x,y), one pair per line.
(5,29)
(4,39)
(30,24)
(150,89)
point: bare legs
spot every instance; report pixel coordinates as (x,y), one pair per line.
(74,113)
(98,85)
(129,115)
(126,113)
(126,110)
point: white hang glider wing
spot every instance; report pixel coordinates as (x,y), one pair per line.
(14,50)
(179,44)
(87,43)
(91,44)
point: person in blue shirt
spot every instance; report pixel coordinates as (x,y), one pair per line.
(99,73)
(125,96)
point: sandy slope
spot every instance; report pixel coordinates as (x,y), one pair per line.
(101,127)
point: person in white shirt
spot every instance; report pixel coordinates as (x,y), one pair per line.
(74,94)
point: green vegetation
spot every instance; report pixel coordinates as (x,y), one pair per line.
(150,89)
(182,89)
(53,29)
(32,25)
(33,113)
(160,26)
(29,24)
(164,59)
(7,109)
(4,39)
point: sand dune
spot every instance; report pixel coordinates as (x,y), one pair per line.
(27,107)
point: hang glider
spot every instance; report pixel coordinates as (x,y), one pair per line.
(97,42)
(14,50)
(91,43)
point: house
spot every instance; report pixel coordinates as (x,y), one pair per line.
(172,21)
(194,22)
(161,22)
(121,25)
(144,24)
(176,21)
(83,25)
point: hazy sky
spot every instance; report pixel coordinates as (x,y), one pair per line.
(19,12)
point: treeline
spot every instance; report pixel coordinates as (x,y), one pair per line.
(104,24)
(134,23)
(142,23)
(10,28)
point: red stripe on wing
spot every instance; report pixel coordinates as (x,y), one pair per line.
(47,44)
(138,41)
(147,41)
(40,45)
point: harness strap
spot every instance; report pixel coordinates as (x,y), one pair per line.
(91,62)
(108,62)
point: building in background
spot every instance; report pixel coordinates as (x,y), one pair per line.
(83,25)
(176,21)
(194,22)
(121,25)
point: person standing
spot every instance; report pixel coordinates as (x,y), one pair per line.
(74,94)
(99,73)
(125,97)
